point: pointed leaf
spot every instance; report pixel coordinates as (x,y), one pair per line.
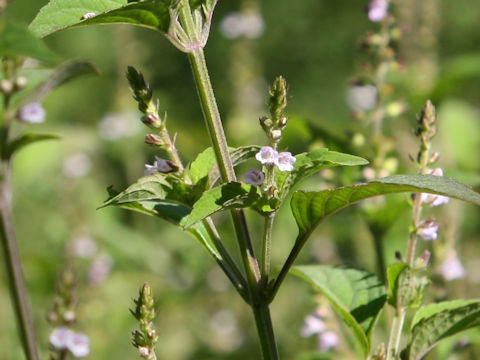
(435,322)
(309,163)
(223,197)
(17,41)
(393,274)
(60,76)
(27,139)
(310,208)
(356,295)
(63,14)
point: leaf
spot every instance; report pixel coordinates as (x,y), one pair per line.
(357,295)
(309,163)
(435,322)
(17,41)
(60,76)
(27,139)
(310,208)
(393,273)
(223,197)
(63,14)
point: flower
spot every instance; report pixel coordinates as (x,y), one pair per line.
(327,340)
(255,177)
(377,10)
(452,268)
(160,165)
(79,345)
(362,97)
(60,336)
(285,161)
(32,113)
(267,155)
(428,230)
(235,25)
(435,200)
(313,324)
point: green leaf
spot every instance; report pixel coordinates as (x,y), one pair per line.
(60,76)
(63,14)
(310,208)
(223,197)
(309,163)
(26,139)
(356,295)
(17,41)
(435,322)
(393,273)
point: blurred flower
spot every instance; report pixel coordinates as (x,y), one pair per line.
(88,15)
(428,230)
(79,345)
(313,324)
(435,200)
(451,268)
(235,24)
(328,340)
(83,246)
(285,161)
(60,336)
(114,126)
(76,165)
(255,177)
(362,97)
(377,10)
(100,268)
(160,165)
(32,113)
(267,155)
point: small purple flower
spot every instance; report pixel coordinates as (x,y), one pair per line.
(452,268)
(60,337)
(32,113)
(255,177)
(160,165)
(285,161)
(313,324)
(377,10)
(428,230)
(79,345)
(328,340)
(435,200)
(267,155)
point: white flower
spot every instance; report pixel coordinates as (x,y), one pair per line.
(312,325)
(267,155)
(328,340)
(60,337)
(362,97)
(235,24)
(285,161)
(32,113)
(79,345)
(255,177)
(160,165)
(452,268)
(428,230)
(435,200)
(377,10)
(76,165)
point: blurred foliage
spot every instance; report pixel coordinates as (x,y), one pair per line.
(314,44)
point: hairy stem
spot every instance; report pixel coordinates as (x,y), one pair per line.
(267,246)
(14,268)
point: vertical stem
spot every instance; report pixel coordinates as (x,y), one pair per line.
(267,247)
(14,268)
(396,335)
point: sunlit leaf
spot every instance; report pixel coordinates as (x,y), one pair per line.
(393,274)
(356,295)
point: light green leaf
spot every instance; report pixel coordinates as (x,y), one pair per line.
(356,295)
(393,273)
(17,41)
(435,322)
(60,76)
(63,14)
(223,197)
(309,163)
(310,208)
(26,139)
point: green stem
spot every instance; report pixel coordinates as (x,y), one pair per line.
(14,268)
(267,246)
(396,335)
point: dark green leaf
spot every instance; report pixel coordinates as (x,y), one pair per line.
(60,76)
(17,41)
(223,197)
(63,14)
(310,208)
(435,322)
(356,295)
(27,139)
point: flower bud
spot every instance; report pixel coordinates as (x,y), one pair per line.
(153,140)
(275,135)
(255,177)
(21,82)
(69,316)
(6,86)
(266,123)
(152,121)
(434,158)
(377,10)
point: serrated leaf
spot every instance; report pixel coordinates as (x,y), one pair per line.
(63,14)
(309,163)
(356,295)
(310,208)
(223,197)
(60,76)
(435,322)
(393,273)
(26,139)
(17,41)
(407,289)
